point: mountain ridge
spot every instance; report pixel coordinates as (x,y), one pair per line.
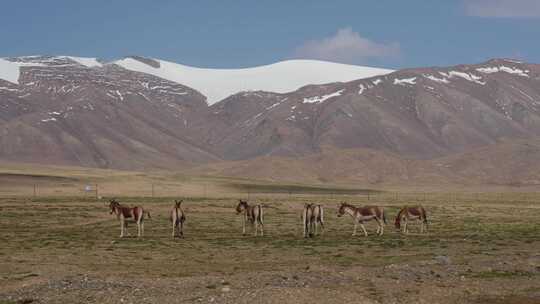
(80,111)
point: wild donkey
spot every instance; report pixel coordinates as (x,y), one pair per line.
(411,213)
(123,213)
(312,215)
(364,214)
(178,217)
(253,214)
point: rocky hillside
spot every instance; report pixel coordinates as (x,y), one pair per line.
(416,113)
(64,112)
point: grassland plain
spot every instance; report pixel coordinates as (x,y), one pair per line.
(67,250)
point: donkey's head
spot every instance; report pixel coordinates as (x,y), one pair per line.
(341,209)
(113,205)
(242,205)
(177,203)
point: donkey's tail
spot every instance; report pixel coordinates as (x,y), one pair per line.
(384,216)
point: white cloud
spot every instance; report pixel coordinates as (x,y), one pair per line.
(346,46)
(503,8)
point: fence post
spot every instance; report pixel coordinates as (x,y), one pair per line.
(152,189)
(35,190)
(97,192)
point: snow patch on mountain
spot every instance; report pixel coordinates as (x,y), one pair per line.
(10,71)
(377,81)
(362,89)
(509,70)
(319,99)
(436,79)
(405,81)
(281,77)
(87,62)
(466,76)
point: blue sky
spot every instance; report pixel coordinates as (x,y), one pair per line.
(228,34)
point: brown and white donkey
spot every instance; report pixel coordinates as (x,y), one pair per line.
(406,214)
(178,217)
(253,214)
(124,213)
(360,215)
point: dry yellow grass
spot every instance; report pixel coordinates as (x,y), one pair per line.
(55,239)
(62,248)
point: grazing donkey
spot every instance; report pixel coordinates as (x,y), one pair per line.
(410,214)
(253,214)
(178,217)
(123,213)
(364,214)
(312,215)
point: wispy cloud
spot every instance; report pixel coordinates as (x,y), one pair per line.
(346,46)
(503,8)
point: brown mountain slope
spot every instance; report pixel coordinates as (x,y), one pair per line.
(345,166)
(508,163)
(418,113)
(65,113)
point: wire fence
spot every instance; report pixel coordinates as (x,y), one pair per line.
(213,191)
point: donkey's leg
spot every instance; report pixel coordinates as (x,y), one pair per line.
(181,229)
(381,226)
(262,228)
(363,228)
(405,227)
(421,227)
(256,226)
(142,227)
(244,225)
(121,227)
(322,227)
(305,224)
(173,228)
(126,231)
(354,230)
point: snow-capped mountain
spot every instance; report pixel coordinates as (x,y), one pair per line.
(281,77)
(78,111)
(134,113)
(417,113)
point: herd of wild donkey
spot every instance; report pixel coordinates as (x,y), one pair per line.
(312,217)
